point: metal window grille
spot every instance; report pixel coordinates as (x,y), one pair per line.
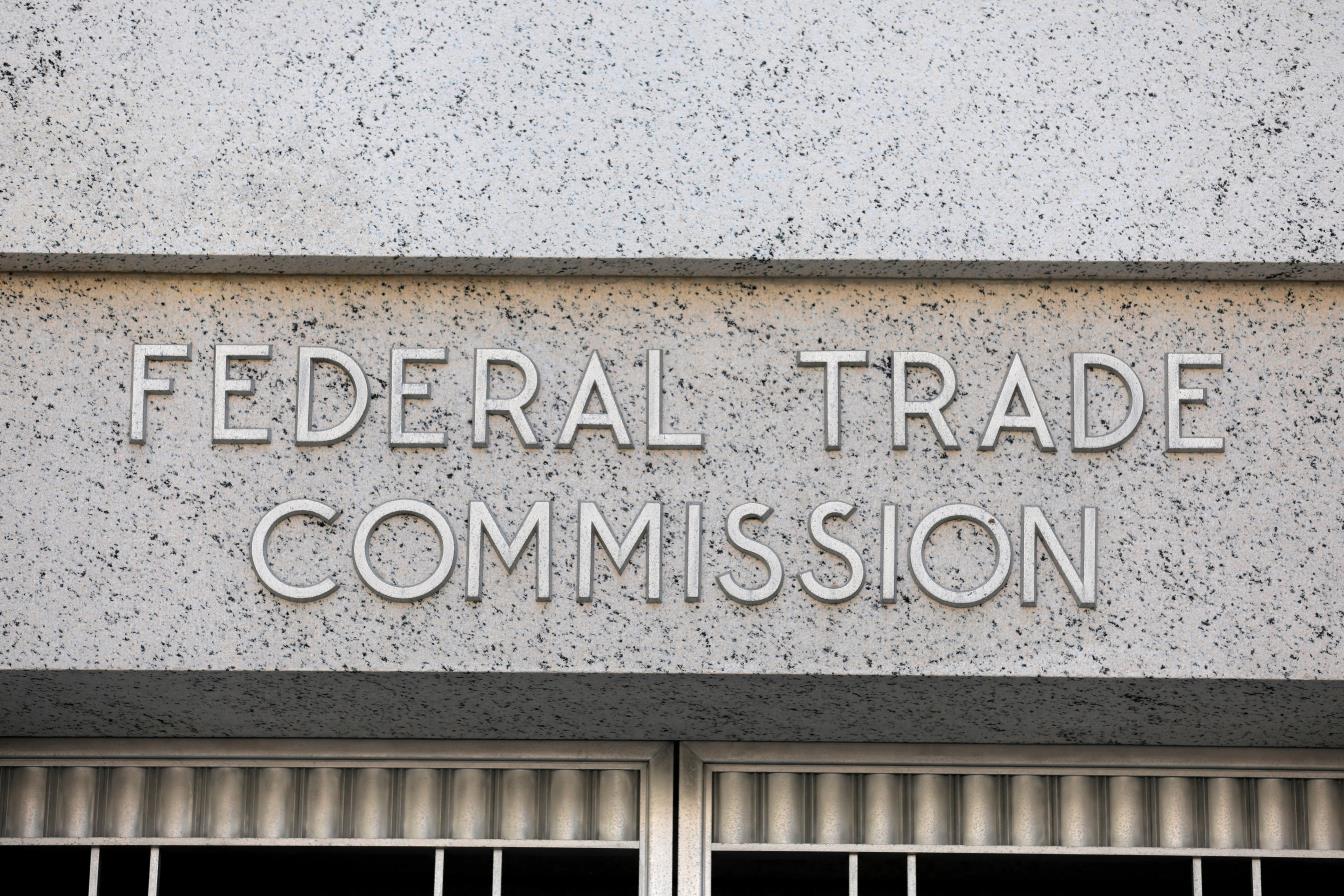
(914,800)
(847,803)
(498,796)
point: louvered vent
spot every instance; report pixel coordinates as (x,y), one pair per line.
(325,802)
(1177,812)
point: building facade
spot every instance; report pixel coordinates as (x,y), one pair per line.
(681,449)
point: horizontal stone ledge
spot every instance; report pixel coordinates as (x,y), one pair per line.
(852,268)
(621,706)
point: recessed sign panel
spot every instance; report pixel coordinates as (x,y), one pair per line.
(671,476)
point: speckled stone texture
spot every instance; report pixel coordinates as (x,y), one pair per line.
(1045,138)
(134,557)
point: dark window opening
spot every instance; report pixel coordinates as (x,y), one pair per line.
(1226,877)
(1301,876)
(263,871)
(780,874)
(972,875)
(591,872)
(45,869)
(122,871)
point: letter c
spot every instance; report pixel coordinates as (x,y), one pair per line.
(273,583)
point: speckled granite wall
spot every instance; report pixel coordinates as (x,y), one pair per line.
(1219,584)
(1045,138)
